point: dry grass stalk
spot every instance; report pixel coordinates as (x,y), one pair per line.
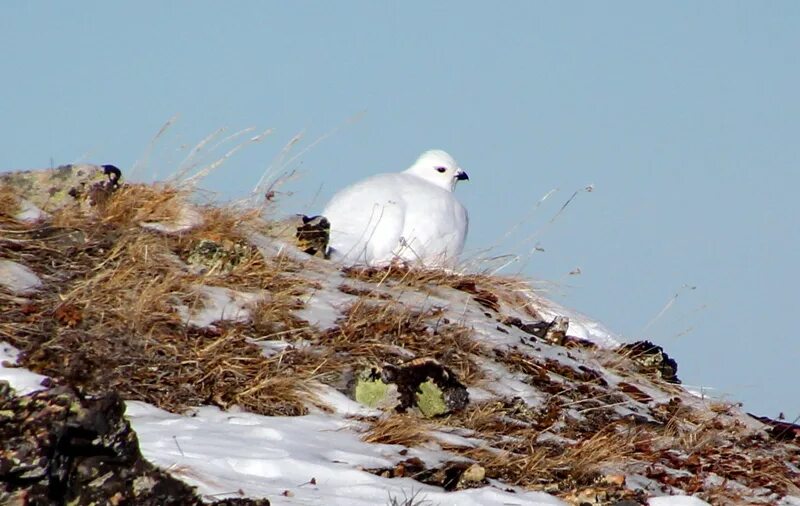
(499,420)
(9,204)
(524,461)
(106,318)
(489,290)
(398,429)
(390,332)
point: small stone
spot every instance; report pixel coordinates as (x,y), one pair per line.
(615,479)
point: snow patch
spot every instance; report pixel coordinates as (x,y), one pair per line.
(677,500)
(223,452)
(342,404)
(20,379)
(323,307)
(505,384)
(219,303)
(29,212)
(18,278)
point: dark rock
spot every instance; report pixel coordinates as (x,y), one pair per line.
(449,475)
(413,375)
(553,332)
(652,358)
(313,235)
(217,257)
(58,447)
(778,429)
(52,189)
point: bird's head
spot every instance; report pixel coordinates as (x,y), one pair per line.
(439,168)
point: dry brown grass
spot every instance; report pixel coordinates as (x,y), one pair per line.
(524,461)
(490,291)
(691,441)
(398,429)
(566,385)
(725,454)
(709,443)
(137,203)
(106,318)
(391,332)
(492,420)
(514,452)
(9,205)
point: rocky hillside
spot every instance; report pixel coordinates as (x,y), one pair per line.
(254,371)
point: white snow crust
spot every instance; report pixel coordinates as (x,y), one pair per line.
(276,457)
(20,379)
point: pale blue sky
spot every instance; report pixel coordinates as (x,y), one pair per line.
(684,115)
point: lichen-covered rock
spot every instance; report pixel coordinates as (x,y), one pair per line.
(553,332)
(428,385)
(309,234)
(217,258)
(424,384)
(57,447)
(313,234)
(652,358)
(369,389)
(51,189)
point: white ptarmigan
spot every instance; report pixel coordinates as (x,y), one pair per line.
(411,216)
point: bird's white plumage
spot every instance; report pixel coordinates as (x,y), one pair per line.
(411,216)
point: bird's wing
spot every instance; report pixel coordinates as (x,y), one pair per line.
(366,220)
(436,225)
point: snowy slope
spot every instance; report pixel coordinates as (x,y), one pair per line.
(577,395)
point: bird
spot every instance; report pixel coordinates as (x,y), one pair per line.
(410,216)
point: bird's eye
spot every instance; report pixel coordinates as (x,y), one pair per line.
(441,170)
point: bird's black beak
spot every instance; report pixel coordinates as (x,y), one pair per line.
(462,176)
